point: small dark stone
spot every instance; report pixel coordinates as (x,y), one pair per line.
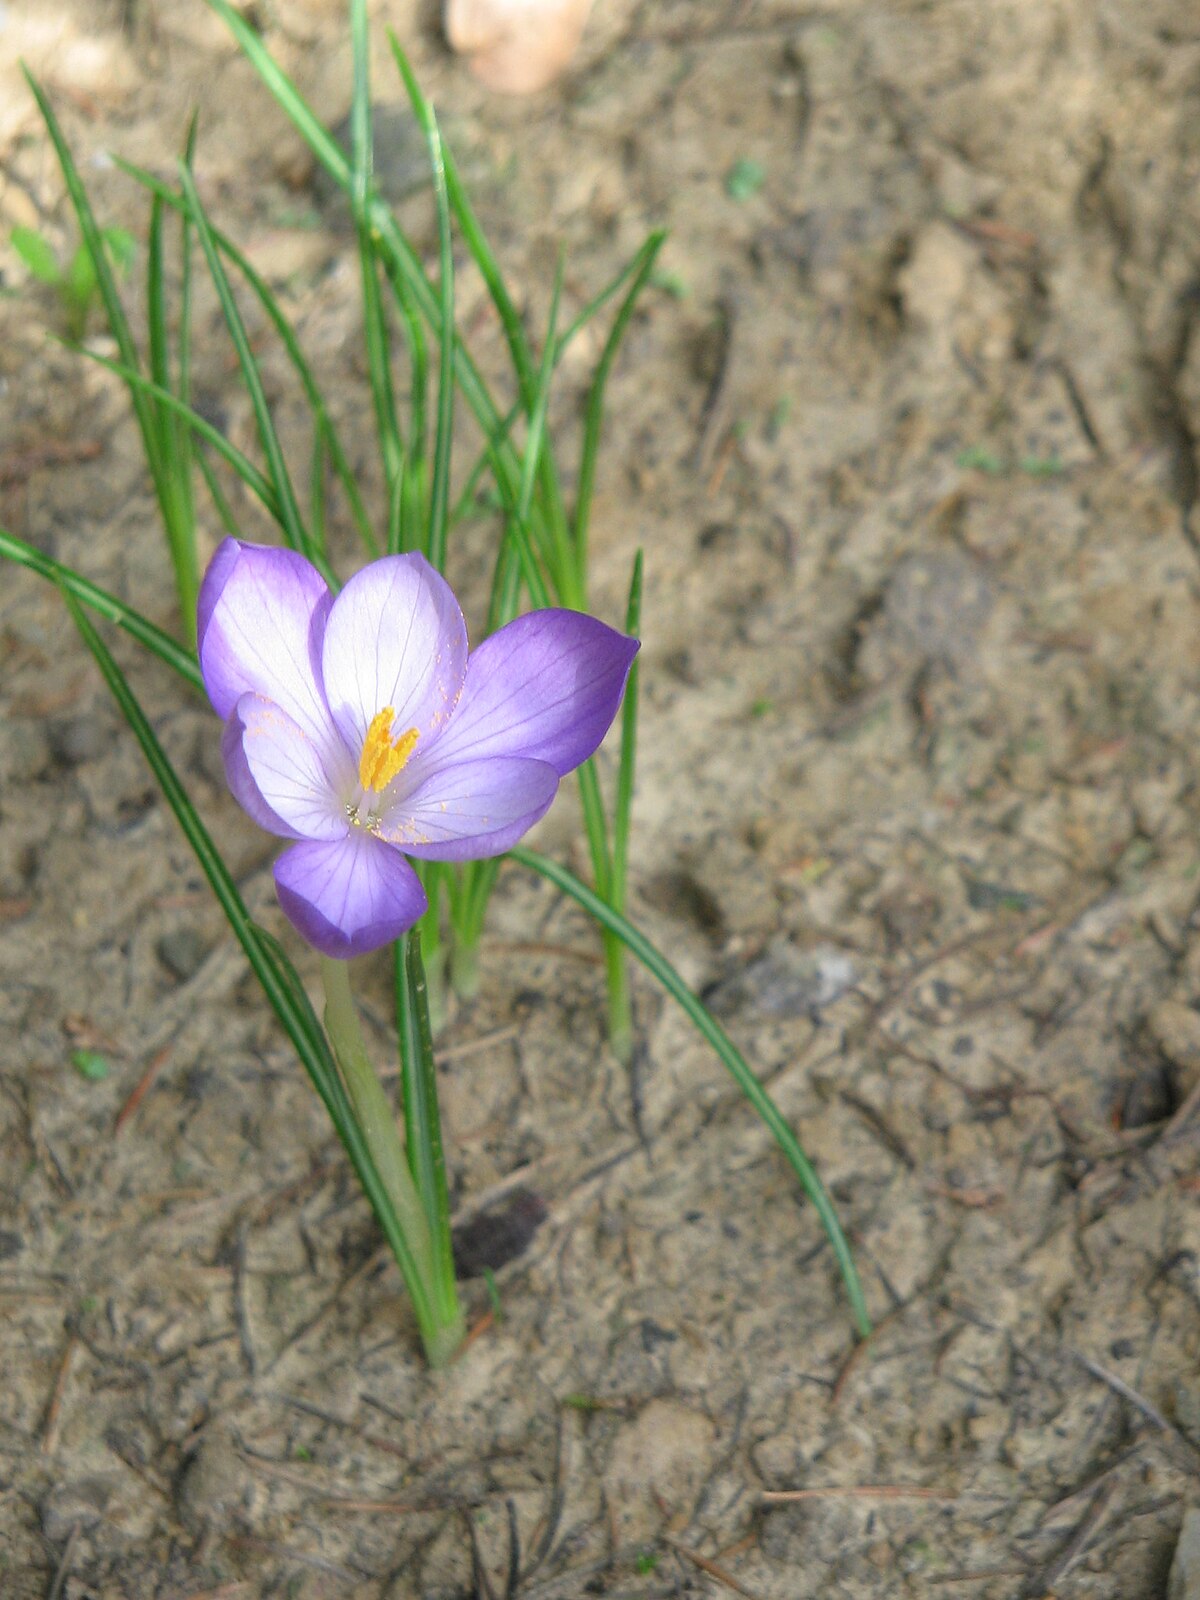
(493,1238)
(196,1081)
(653,1335)
(401,155)
(1149,1098)
(75,740)
(181,952)
(11,1244)
(1122,1349)
(682,895)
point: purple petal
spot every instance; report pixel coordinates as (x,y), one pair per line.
(395,637)
(545,687)
(471,809)
(259,619)
(279,775)
(348,896)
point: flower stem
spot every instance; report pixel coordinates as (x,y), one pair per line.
(620,1007)
(441,1327)
(422,1121)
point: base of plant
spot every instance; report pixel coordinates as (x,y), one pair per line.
(443,1343)
(464,970)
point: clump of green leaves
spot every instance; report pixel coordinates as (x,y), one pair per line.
(74,281)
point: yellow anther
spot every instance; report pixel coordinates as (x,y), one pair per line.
(382,757)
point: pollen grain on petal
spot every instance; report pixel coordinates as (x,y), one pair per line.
(382,756)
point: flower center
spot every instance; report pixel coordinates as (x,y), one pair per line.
(382,756)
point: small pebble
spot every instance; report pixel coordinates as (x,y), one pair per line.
(76,740)
(182,952)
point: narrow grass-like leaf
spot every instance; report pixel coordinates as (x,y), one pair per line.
(625,771)
(241,464)
(316,485)
(473,235)
(555,549)
(422,1122)
(279,981)
(375,326)
(439,498)
(379,366)
(138,627)
(410,532)
(219,499)
(174,441)
(291,522)
(391,241)
(661,969)
(465,503)
(594,415)
(144,409)
(270,304)
(156,311)
(597,303)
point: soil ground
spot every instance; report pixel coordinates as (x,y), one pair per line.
(908,433)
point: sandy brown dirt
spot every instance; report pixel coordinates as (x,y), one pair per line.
(911,448)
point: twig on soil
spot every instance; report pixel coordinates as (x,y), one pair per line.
(372,1439)
(142,1087)
(483,1583)
(1137,1401)
(714,417)
(865,1491)
(322,1310)
(475,1332)
(710,1567)
(283,1552)
(227,1591)
(1044,1581)
(64,1566)
(558,1499)
(471,1047)
(54,1409)
(240,1309)
(882,1129)
(972,1199)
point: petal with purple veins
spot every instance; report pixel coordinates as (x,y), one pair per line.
(470,809)
(545,687)
(395,637)
(348,896)
(281,777)
(260,618)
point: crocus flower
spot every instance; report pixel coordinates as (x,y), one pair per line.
(360,727)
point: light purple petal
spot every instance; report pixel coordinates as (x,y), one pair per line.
(395,637)
(349,896)
(471,809)
(280,776)
(545,687)
(260,618)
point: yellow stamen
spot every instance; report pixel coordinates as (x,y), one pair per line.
(382,757)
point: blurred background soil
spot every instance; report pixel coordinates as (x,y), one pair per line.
(908,429)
